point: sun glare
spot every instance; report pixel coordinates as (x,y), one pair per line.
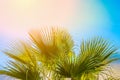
(23,4)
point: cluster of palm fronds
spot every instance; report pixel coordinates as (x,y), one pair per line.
(50,56)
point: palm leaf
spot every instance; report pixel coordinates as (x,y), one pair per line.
(52,42)
(95,55)
(23,65)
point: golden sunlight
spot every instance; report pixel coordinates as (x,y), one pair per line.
(23,2)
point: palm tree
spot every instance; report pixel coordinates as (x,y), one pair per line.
(50,55)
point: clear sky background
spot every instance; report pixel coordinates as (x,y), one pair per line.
(83,18)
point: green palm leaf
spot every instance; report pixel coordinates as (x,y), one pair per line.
(94,56)
(23,65)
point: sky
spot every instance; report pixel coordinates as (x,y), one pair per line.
(83,18)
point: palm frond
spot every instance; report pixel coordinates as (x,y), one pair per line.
(23,65)
(21,71)
(52,42)
(95,55)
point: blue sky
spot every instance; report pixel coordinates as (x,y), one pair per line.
(113,8)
